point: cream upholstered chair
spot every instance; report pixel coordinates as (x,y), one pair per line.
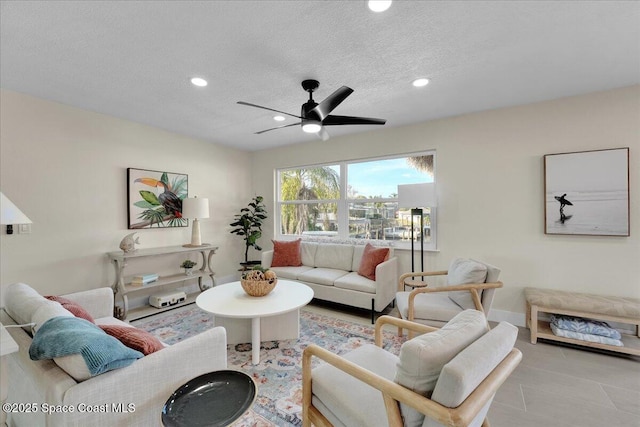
(445,377)
(471,284)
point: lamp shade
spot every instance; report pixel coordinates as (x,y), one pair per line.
(194,207)
(417,195)
(10,214)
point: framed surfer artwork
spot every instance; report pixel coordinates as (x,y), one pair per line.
(587,192)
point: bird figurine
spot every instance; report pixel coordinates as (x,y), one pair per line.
(128,244)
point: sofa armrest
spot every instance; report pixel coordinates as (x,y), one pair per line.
(386,276)
(150,381)
(267,259)
(98,302)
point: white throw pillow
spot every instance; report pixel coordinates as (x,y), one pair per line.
(47,310)
(422,358)
(461,272)
(21,302)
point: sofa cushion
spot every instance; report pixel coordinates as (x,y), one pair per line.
(290,272)
(286,254)
(334,256)
(321,276)
(349,401)
(461,272)
(422,358)
(134,338)
(371,257)
(470,367)
(75,308)
(21,302)
(308,253)
(356,282)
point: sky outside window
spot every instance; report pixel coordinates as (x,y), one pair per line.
(381,178)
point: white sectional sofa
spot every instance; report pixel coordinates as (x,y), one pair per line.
(331,270)
(129,396)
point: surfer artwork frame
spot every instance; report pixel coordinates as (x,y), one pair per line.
(587,193)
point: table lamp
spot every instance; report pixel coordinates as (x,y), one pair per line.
(10,214)
(195,208)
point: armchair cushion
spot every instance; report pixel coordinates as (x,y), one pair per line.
(461,272)
(344,399)
(434,307)
(422,358)
(462,375)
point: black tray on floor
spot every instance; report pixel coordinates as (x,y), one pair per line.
(214,399)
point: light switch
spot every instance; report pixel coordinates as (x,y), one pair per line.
(25,228)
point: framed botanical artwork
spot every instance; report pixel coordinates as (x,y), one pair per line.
(587,192)
(155,198)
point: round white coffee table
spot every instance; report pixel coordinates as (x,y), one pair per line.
(280,310)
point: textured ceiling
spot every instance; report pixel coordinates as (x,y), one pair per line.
(134,59)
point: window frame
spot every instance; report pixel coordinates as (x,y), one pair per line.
(342,216)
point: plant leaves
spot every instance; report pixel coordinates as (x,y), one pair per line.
(150,197)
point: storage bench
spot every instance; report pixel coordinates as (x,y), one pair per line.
(597,307)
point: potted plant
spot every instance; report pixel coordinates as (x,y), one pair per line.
(248,224)
(188,265)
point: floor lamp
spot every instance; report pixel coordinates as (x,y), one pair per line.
(417,197)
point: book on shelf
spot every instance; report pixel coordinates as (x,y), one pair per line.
(144,279)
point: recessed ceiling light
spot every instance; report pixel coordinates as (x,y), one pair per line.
(422,82)
(278,118)
(197,81)
(379,5)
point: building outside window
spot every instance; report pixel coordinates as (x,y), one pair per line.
(354,199)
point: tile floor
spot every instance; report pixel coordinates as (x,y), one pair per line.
(555,385)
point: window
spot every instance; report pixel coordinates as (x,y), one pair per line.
(356,199)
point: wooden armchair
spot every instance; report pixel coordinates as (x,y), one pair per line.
(363,388)
(470,285)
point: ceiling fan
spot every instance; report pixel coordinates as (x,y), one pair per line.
(313,116)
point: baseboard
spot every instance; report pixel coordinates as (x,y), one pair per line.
(517,319)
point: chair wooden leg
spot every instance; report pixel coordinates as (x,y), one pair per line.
(485,423)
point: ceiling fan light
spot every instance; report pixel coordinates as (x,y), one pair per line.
(421,82)
(311,127)
(198,81)
(278,118)
(379,5)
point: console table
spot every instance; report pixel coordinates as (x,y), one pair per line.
(122,286)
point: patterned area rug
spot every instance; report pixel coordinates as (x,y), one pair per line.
(279,374)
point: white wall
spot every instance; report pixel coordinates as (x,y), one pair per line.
(490,186)
(66,169)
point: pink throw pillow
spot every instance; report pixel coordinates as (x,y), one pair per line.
(75,308)
(371,257)
(134,338)
(286,254)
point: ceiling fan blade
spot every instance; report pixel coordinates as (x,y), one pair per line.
(323,134)
(279,127)
(266,108)
(332,101)
(350,120)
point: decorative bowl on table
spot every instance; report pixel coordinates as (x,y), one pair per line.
(258,282)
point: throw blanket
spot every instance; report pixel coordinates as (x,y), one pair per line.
(585,337)
(584,326)
(64,336)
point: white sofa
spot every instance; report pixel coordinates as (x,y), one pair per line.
(331,270)
(143,386)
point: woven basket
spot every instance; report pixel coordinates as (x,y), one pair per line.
(258,288)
